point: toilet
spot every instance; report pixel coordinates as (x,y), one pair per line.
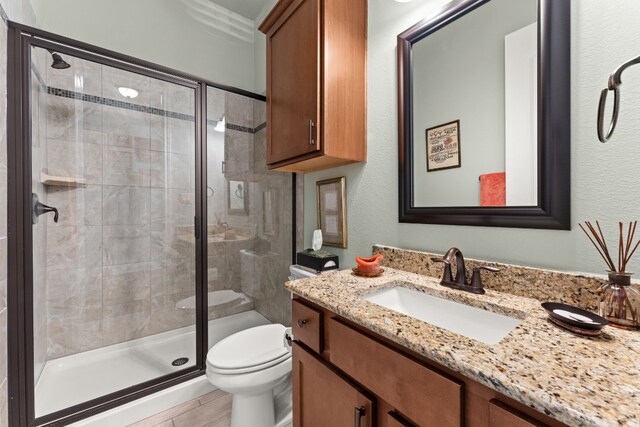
(254,365)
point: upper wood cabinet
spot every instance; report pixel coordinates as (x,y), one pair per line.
(316,84)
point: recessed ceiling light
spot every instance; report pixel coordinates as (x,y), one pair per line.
(127,92)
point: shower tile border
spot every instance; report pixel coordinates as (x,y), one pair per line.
(64,93)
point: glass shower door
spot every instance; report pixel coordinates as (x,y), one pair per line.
(113,168)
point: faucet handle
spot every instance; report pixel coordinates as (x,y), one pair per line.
(446,275)
(476,279)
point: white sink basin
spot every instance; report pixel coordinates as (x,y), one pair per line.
(472,322)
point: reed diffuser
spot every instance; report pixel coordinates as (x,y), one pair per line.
(619,300)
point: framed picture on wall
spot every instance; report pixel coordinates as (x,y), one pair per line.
(443,146)
(331,200)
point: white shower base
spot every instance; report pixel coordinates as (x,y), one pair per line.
(74,379)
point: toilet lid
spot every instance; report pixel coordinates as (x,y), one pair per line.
(249,350)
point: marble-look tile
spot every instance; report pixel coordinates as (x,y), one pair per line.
(3,343)
(172,170)
(3,199)
(127,123)
(67,118)
(168,241)
(171,206)
(74,160)
(71,247)
(3,126)
(128,141)
(74,293)
(216,100)
(239,110)
(172,97)
(126,321)
(165,316)
(173,276)
(126,205)
(77,206)
(260,152)
(238,154)
(3,60)
(3,272)
(125,244)
(71,336)
(125,283)
(173,135)
(259,112)
(4,400)
(126,166)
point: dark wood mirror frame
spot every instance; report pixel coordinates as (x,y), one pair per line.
(554,136)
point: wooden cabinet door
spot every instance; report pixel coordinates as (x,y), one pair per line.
(293,76)
(321,397)
(501,415)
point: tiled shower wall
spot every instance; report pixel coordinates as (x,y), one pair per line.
(3,220)
(122,254)
(257,266)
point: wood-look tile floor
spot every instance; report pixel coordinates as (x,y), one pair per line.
(210,410)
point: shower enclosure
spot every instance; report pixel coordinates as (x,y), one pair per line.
(144,226)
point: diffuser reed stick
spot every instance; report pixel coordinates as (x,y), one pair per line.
(619,302)
(625,244)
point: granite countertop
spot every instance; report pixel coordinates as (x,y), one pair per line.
(577,380)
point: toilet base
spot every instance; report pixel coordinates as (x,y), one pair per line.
(265,409)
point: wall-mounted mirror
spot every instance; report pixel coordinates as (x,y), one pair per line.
(484,119)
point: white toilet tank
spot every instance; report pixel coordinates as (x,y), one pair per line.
(258,271)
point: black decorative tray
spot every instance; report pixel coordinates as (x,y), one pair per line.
(574,316)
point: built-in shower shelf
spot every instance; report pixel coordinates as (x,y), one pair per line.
(62,181)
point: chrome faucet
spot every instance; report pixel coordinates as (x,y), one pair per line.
(460,281)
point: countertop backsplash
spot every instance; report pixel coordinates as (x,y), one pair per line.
(580,290)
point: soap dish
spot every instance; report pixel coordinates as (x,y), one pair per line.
(575,319)
(365,274)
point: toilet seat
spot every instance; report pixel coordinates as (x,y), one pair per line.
(250,350)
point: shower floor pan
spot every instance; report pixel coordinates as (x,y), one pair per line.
(74,379)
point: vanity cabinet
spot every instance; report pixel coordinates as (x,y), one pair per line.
(322,397)
(353,368)
(316,84)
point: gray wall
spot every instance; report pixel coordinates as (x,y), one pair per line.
(159,31)
(459,75)
(605,182)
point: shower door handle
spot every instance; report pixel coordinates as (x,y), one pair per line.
(40,209)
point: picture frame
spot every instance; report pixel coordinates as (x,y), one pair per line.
(237,197)
(443,146)
(332,206)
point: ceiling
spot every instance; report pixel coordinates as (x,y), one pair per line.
(247,8)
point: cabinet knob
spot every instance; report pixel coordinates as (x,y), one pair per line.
(312,126)
(359,413)
(302,322)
